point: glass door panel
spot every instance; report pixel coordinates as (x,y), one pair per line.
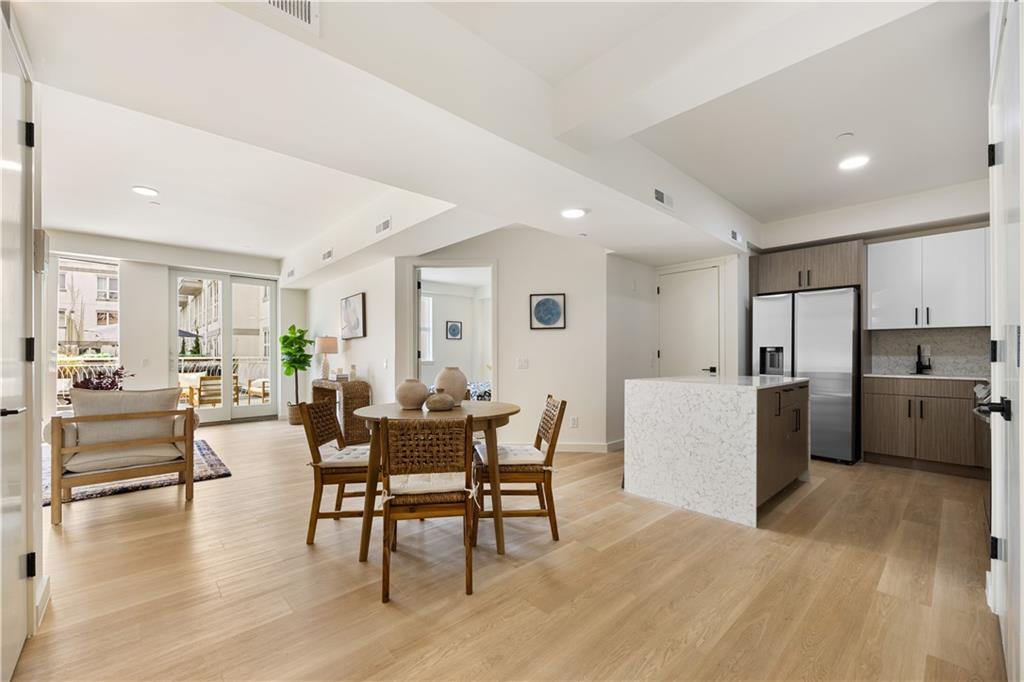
(254,345)
(198,345)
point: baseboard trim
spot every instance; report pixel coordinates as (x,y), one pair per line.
(575,447)
(617,445)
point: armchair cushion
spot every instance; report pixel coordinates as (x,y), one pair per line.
(89,403)
(120,458)
(351,456)
(421,484)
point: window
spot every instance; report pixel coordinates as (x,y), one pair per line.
(106,288)
(426,329)
(105,318)
(62,281)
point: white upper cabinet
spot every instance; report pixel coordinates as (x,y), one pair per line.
(955,279)
(894,284)
(938,280)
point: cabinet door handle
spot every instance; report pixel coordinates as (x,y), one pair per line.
(778,404)
(927,314)
(808,278)
(910,408)
(800,278)
(796,421)
(921,409)
(915,316)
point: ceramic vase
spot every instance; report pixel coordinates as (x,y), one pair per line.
(411,394)
(454,383)
(440,401)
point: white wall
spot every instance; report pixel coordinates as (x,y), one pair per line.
(373,355)
(568,363)
(961,203)
(632,335)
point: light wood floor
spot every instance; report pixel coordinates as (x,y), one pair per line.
(866,573)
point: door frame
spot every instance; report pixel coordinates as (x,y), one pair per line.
(730,333)
(407,313)
(227,411)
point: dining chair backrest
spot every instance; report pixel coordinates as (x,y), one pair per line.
(427,446)
(549,427)
(320,421)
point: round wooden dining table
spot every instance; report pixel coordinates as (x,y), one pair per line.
(487,416)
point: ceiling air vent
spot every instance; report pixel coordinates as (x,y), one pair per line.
(662,198)
(384,226)
(305,13)
(327,255)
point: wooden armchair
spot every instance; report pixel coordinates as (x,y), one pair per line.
(74,463)
(209,391)
(428,473)
(525,464)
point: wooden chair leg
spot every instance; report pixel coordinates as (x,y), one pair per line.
(65,494)
(466,520)
(341,496)
(385,568)
(314,512)
(189,481)
(549,493)
(475,528)
(394,536)
(540,495)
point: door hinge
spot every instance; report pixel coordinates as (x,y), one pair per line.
(659,353)
(30,565)
(30,349)
(419,285)
(419,355)
(30,134)
(996,548)
(659,291)
(995,154)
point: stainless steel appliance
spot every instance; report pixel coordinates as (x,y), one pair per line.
(814,334)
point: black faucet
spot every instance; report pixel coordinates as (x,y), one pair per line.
(922,367)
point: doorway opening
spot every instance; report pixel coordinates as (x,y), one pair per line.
(455,326)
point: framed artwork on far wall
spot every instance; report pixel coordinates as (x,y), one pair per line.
(547,311)
(353,316)
(453,330)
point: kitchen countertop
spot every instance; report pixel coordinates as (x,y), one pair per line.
(983,380)
(766,381)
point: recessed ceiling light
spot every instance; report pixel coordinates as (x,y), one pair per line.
(844,136)
(573,213)
(145,191)
(854,162)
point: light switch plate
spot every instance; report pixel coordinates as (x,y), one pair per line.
(522,363)
(574,422)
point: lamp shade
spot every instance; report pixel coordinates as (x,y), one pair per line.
(326,344)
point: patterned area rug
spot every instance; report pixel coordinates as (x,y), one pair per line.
(207,466)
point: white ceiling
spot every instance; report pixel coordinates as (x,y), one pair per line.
(914,92)
(554,39)
(467,277)
(215,193)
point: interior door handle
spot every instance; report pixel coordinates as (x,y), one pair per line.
(1003,407)
(7,413)
(711,370)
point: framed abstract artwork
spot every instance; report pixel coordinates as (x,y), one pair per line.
(547,311)
(353,316)
(453,330)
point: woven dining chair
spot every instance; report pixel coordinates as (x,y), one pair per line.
(525,464)
(428,473)
(333,462)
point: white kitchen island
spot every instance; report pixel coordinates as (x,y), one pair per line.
(716,445)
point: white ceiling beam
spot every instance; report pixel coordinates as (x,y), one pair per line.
(681,62)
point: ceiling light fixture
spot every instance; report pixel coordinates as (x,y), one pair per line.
(844,136)
(854,162)
(574,213)
(145,191)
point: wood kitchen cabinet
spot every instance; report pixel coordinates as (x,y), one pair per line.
(783,438)
(924,419)
(816,267)
(938,280)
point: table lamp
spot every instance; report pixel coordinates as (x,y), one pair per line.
(325,345)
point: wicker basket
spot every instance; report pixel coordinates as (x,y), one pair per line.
(294,416)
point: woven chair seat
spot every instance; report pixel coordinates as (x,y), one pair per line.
(510,469)
(430,498)
(512,455)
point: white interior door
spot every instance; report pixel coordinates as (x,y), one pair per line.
(1005,577)
(688,323)
(15,250)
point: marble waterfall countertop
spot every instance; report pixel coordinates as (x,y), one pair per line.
(764,381)
(692,442)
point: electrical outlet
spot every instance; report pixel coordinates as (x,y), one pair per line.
(574,422)
(522,363)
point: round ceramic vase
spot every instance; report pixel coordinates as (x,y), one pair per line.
(454,383)
(411,394)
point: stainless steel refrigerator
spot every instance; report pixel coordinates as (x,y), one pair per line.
(815,335)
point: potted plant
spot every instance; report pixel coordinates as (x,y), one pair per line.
(295,359)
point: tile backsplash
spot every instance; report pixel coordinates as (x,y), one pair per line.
(956,352)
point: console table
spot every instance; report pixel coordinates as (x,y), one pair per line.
(349,396)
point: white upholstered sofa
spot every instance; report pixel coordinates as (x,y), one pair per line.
(118,435)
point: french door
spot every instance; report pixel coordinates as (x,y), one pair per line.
(224,344)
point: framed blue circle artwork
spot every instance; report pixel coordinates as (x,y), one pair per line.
(453,330)
(547,311)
